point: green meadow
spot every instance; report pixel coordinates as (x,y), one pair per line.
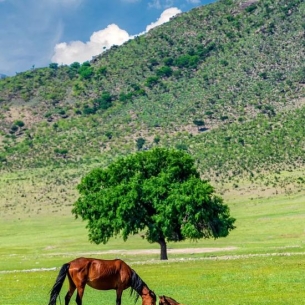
(239,280)
(262,261)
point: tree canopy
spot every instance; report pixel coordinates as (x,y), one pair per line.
(159,192)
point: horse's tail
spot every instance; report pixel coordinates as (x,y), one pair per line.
(58,284)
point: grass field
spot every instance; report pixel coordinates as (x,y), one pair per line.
(261,262)
(253,280)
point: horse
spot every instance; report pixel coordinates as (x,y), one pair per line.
(164,300)
(102,275)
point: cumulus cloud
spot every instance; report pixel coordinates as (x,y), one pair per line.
(78,51)
(165,17)
(67,53)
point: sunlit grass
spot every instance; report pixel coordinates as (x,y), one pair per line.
(261,261)
(254,280)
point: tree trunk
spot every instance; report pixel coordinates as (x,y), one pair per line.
(163,253)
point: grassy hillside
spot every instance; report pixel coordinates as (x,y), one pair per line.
(224,81)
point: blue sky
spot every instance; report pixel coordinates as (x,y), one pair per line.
(38,32)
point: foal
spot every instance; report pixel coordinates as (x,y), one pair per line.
(164,300)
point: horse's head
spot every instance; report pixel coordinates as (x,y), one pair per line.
(164,300)
(149,298)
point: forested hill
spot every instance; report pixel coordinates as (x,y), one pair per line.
(224,81)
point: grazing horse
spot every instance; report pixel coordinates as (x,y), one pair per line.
(102,275)
(164,300)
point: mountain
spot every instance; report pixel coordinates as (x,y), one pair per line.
(2,76)
(224,81)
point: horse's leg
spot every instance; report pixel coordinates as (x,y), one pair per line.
(118,296)
(70,292)
(80,293)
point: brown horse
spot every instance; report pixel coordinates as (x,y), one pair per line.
(164,300)
(101,275)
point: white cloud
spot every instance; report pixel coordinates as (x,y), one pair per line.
(67,53)
(165,17)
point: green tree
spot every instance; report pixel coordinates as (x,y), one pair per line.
(53,65)
(19,123)
(164,71)
(73,69)
(151,81)
(104,102)
(85,70)
(75,65)
(158,191)
(140,143)
(62,152)
(199,123)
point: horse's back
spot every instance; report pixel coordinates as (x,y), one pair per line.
(111,263)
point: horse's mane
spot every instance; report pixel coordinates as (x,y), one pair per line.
(137,285)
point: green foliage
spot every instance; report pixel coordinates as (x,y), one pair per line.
(251,8)
(187,61)
(2,158)
(157,139)
(75,65)
(153,62)
(61,151)
(19,123)
(181,146)
(164,72)
(101,71)
(140,143)
(104,102)
(169,61)
(108,134)
(53,66)
(301,75)
(199,123)
(85,71)
(73,70)
(151,81)
(124,97)
(159,191)
(14,128)
(87,110)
